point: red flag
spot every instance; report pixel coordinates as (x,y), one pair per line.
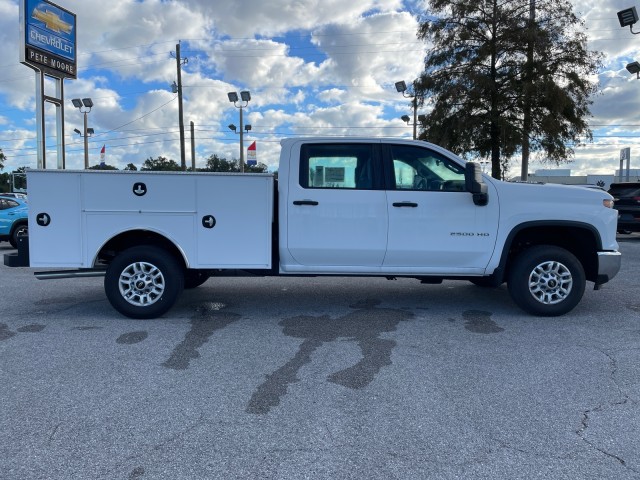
(102,154)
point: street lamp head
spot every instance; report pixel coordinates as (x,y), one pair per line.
(87,102)
(633,67)
(77,131)
(627,17)
(90,131)
(401,86)
(405,118)
(245,95)
(247,127)
(422,118)
(233,97)
(232,127)
(76,102)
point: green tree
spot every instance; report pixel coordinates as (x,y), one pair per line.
(103,167)
(258,168)
(217,164)
(482,76)
(131,167)
(2,159)
(5,182)
(161,164)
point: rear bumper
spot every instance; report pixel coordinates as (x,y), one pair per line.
(608,266)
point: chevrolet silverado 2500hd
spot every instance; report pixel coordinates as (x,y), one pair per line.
(356,206)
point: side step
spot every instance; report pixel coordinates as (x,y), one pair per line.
(81,273)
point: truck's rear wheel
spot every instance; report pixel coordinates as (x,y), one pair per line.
(143,282)
(546,280)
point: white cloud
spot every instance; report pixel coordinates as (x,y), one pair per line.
(373,51)
(313,67)
(246,18)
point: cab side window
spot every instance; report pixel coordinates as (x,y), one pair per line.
(342,166)
(416,168)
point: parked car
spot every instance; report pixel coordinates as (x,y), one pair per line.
(14,214)
(626,196)
(13,194)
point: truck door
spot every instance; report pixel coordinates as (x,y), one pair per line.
(433,223)
(336,206)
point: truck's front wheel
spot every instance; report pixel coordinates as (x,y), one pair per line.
(546,280)
(143,282)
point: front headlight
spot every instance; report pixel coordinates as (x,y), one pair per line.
(608,202)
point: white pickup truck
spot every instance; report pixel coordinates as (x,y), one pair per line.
(354,206)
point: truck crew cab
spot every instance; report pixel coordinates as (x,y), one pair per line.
(355,206)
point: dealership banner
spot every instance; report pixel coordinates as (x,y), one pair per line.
(48,38)
(252,157)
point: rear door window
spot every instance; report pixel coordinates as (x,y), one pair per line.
(352,166)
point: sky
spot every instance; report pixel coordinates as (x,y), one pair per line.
(313,67)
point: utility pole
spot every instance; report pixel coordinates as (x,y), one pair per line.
(193,148)
(527,121)
(178,90)
(415,116)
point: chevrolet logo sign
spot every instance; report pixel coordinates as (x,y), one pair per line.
(52,21)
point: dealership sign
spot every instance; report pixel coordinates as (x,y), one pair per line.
(48,38)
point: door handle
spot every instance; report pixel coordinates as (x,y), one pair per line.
(405,204)
(305,202)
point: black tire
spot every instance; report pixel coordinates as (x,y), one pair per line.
(143,282)
(194,278)
(19,231)
(546,281)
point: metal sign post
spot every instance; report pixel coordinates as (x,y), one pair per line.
(625,154)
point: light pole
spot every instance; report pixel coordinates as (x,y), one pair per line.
(87,104)
(401,87)
(88,132)
(247,128)
(245,97)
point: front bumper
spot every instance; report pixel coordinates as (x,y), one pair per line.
(608,266)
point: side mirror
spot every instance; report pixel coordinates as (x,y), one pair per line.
(475,185)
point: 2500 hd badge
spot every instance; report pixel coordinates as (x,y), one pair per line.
(469,234)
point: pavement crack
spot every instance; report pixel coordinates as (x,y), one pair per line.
(53,433)
(586,414)
(584,425)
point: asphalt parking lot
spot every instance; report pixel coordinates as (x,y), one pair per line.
(320,378)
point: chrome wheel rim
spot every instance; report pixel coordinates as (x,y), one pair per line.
(550,282)
(141,284)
